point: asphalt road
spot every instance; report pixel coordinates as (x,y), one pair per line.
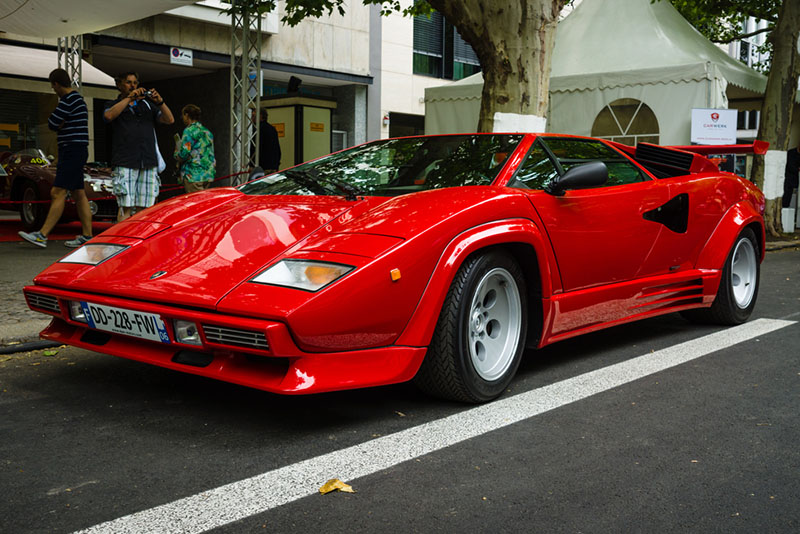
(708,445)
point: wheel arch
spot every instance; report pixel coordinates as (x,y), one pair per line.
(718,246)
(519,237)
(19,180)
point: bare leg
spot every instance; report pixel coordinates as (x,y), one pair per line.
(58,197)
(124,213)
(84,211)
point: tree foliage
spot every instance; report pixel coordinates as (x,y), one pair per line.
(297,10)
(722,21)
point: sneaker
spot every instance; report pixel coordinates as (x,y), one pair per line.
(77,242)
(35,238)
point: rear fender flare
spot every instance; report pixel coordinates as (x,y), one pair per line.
(718,246)
(419,330)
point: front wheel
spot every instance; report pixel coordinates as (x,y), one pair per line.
(32,211)
(480,335)
(738,287)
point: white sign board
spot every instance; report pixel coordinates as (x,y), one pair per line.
(714,126)
(180,56)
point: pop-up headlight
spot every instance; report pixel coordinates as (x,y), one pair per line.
(93,254)
(303,274)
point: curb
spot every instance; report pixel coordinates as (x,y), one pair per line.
(26,347)
(778,245)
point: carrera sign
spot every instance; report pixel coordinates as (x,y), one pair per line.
(714,126)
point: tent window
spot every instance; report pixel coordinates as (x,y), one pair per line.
(627,121)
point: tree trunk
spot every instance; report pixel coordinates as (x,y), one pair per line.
(514,42)
(776,112)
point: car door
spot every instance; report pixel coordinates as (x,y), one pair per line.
(600,235)
(697,204)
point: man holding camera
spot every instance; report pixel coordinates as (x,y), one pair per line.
(133,116)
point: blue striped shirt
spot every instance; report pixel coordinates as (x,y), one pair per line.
(71,120)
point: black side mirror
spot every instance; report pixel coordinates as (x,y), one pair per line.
(588,175)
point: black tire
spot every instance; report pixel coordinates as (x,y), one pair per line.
(738,286)
(31,213)
(478,342)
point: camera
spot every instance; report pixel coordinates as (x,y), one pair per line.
(148,93)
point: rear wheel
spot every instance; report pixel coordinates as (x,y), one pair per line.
(738,287)
(480,334)
(31,211)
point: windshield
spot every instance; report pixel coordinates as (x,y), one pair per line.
(35,153)
(394,167)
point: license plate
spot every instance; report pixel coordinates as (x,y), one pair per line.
(121,321)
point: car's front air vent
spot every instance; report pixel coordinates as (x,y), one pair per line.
(43,302)
(222,335)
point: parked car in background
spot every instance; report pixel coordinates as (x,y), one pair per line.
(433,258)
(25,181)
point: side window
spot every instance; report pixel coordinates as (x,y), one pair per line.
(537,171)
(572,152)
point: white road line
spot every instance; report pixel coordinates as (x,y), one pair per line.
(238,500)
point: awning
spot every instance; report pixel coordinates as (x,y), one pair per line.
(25,62)
(60,18)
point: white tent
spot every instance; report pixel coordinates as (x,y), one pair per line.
(620,51)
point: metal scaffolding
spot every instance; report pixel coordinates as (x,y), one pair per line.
(245,87)
(70,52)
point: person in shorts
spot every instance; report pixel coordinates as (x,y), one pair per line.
(133,116)
(71,120)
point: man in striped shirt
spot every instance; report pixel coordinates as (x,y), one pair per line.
(71,120)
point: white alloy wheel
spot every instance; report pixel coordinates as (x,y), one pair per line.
(744,273)
(495,323)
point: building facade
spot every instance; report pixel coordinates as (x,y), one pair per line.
(328,58)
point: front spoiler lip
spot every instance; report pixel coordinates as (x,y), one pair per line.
(284,368)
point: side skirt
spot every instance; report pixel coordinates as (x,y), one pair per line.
(579,312)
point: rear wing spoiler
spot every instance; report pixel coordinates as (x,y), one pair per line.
(758,147)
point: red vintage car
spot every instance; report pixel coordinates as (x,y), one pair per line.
(25,181)
(437,259)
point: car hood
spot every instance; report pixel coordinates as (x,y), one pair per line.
(228,238)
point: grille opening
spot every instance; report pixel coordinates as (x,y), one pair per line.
(223,335)
(663,162)
(43,302)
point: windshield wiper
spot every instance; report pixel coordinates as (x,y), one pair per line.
(307,179)
(351,193)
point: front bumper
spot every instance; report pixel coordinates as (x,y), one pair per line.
(281,367)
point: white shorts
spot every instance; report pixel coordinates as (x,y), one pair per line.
(136,187)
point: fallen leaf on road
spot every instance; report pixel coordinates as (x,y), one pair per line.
(335,484)
(50,352)
(401,414)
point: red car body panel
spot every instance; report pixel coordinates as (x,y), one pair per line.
(594,258)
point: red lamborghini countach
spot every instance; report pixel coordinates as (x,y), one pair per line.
(437,259)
